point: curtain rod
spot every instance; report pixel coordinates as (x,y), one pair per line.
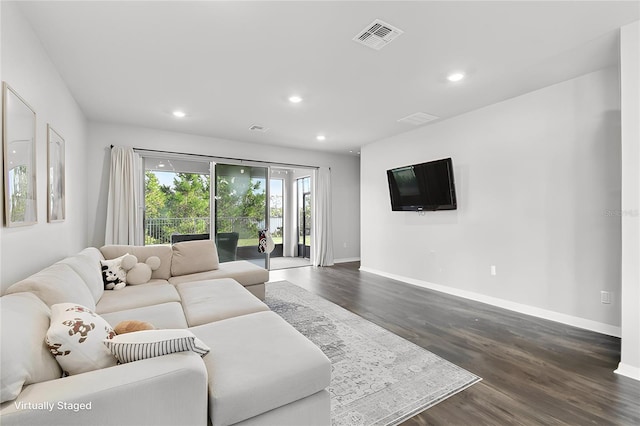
(225,158)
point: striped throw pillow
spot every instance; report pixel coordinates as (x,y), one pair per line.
(145,344)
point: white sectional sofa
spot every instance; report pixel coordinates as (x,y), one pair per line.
(259,371)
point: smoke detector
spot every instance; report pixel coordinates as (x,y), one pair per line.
(377,34)
(258,128)
(418,119)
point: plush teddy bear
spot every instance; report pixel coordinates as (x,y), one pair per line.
(129,326)
(114,271)
(140,273)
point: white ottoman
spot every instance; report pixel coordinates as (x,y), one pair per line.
(214,300)
(258,362)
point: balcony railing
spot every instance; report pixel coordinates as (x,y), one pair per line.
(159,230)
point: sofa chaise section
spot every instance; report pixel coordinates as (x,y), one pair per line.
(262,359)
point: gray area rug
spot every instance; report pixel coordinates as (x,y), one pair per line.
(378,378)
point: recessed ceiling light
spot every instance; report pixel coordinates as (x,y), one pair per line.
(179,114)
(295,99)
(456,76)
(321,137)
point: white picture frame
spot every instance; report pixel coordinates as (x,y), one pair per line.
(19,146)
(56,200)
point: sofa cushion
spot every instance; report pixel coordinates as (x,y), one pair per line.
(246,273)
(137,296)
(214,300)
(164,315)
(146,344)
(314,410)
(57,283)
(143,253)
(24,356)
(262,359)
(190,257)
(75,337)
(87,265)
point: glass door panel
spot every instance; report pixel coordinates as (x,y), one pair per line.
(176,199)
(276,215)
(240,211)
(304,216)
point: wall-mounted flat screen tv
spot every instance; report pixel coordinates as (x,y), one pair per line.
(425,186)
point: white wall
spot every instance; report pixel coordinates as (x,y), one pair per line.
(629,72)
(345,170)
(538,185)
(28,70)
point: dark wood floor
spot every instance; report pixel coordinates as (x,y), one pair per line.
(535,372)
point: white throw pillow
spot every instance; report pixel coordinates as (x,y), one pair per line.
(145,344)
(190,257)
(75,338)
(24,357)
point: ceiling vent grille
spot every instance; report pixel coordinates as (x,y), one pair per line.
(377,35)
(258,128)
(418,119)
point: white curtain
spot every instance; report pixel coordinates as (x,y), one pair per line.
(322,235)
(124,218)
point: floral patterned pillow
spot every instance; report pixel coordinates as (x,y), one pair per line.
(75,338)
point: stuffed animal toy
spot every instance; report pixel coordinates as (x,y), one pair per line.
(114,271)
(140,273)
(129,326)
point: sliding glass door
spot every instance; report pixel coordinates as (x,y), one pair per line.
(304,216)
(241,194)
(189,198)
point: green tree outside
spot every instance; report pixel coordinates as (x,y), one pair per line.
(240,210)
(184,208)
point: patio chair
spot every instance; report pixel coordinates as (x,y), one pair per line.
(177,238)
(227,243)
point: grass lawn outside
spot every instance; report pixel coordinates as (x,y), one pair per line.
(247,242)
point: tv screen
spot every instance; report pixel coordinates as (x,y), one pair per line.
(425,186)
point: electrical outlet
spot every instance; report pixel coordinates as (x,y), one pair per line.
(605,297)
(493,270)
(345,244)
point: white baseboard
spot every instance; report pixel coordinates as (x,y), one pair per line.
(347,259)
(598,327)
(628,371)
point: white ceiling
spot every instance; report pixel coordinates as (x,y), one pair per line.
(230,65)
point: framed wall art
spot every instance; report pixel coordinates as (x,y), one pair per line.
(19,142)
(55,176)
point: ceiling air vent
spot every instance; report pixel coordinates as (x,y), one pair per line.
(418,118)
(377,35)
(258,128)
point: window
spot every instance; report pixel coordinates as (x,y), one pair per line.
(177,199)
